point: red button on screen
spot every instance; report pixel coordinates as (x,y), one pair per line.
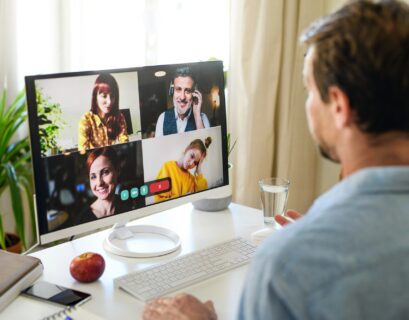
(159,186)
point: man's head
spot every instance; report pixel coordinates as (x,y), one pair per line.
(362,50)
(182,88)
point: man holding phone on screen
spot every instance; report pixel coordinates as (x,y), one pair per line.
(186,113)
(348,256)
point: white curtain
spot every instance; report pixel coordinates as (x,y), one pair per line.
(8,44)
(266,99)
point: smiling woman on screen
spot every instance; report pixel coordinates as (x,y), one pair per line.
(103,171)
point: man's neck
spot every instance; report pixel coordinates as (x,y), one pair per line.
(388,149)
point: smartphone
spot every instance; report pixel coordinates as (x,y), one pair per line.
(195,100)
(57,294)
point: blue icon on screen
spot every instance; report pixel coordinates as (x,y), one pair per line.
(80,187)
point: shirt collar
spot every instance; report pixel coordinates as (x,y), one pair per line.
(97,119)
(373,180)
(377,179)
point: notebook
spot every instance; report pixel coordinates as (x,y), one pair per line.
(74,313)
(17,272)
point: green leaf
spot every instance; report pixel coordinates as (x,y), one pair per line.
(16,201)
(230,147)
(2,235)
(18,105)
(3,102)
(15,158)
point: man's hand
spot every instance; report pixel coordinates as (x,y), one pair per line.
(197,108)
(197,102)
(182,307)
(291,216)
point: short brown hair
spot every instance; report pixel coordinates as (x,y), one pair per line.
(363,48)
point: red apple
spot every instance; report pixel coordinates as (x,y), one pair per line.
(87,267)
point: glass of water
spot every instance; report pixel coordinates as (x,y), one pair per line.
(274,195)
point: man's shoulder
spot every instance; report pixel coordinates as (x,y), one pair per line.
(340,242)
(337,236)
(313,240)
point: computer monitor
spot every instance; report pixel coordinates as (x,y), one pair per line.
(110,146)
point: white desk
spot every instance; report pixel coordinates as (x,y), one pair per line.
(197,230)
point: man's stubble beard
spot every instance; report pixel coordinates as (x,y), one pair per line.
(184,113)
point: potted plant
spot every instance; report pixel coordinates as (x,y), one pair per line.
(50,123)
(15,168)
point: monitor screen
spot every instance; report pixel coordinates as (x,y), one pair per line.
(114,145)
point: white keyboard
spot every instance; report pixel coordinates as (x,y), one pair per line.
(186,270)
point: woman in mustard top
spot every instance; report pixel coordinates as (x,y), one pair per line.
(182,181)
(104,124)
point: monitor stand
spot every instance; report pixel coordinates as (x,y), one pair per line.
(141,241)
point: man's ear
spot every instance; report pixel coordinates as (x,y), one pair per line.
(340,107)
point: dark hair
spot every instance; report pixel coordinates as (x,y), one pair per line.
(107,152)
(105,82)
(185,71)
(363,48)
(199,145)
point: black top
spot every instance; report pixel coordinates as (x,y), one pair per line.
(87,215)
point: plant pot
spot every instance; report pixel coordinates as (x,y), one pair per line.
(13,243)
(221,202)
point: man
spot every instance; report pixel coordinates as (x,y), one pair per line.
(348,257)
(186,114)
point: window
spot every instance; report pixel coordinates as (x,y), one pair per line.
(58,36)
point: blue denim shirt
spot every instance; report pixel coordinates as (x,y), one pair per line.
(347,258)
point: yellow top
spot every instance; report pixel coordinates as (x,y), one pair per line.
(182,181)
(93,132)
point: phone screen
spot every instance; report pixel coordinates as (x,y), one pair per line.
(57,294)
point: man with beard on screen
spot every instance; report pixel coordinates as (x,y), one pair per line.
(186,113)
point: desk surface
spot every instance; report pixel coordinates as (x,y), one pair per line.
(197,230)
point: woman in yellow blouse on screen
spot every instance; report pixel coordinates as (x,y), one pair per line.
(182,181)
(104,124)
